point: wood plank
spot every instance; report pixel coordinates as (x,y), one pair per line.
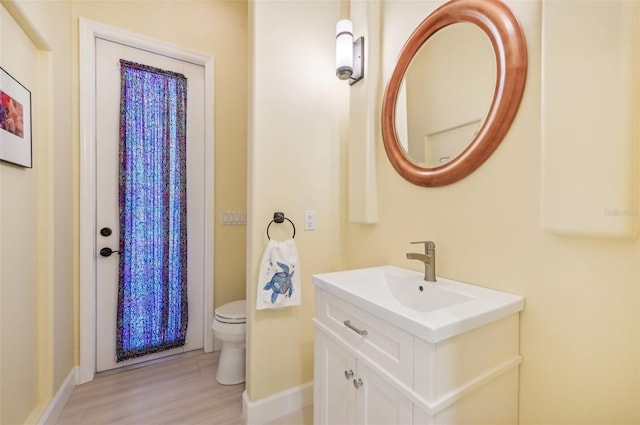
(180,390)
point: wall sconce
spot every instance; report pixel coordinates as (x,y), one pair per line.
(349,54)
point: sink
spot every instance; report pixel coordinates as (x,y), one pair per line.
(433,311)
(416,294)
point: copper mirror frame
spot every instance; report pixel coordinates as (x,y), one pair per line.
(507,38)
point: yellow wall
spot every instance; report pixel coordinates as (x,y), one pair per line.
(18,277)
(28,318)
(296,163)
(580,328)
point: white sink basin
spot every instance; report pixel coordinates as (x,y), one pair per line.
(433,311)
(414,293)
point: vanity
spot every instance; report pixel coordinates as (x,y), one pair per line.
(391,348)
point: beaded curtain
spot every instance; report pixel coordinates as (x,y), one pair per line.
(152,292)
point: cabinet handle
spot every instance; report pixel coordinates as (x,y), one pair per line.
(360,332)
(348,374)
(357,383)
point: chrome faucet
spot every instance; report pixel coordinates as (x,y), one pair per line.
(428,258)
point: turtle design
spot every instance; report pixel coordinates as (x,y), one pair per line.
(280,283)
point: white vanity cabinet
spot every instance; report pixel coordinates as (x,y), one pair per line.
(369,371)
(352,392)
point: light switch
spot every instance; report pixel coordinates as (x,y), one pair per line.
(309,220)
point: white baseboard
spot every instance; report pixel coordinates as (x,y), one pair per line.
(53,411)
(277,405)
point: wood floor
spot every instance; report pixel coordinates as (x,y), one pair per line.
(179,391)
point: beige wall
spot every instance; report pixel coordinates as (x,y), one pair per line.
(28,318)
(296,163)
(18,250)
(580,328)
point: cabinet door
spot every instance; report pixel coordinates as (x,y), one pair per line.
(335,394)
(378,402)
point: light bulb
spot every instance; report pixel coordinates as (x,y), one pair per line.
(344,49)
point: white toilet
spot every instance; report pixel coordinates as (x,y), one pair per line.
(229,328)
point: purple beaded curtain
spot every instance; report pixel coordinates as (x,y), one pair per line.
(152,292)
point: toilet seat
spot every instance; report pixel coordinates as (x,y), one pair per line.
(232,313)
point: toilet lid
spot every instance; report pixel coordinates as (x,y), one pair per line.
(232,312)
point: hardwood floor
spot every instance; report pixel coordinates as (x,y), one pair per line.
(178,391)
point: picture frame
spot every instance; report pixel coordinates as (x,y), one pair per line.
(15,121)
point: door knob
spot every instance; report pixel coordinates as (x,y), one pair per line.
(106,231)
(106,252)
(357,383)
(348,374)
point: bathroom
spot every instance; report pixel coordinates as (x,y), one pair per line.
(282,143)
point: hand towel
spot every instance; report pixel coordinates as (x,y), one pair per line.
(279,277)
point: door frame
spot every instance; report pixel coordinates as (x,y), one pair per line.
(89,32)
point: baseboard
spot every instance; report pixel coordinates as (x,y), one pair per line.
(53,411)
(277,405)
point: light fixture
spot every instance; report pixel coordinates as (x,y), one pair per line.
(349,54)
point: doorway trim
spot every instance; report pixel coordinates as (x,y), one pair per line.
(89,32)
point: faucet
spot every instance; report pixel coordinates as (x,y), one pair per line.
(428,258)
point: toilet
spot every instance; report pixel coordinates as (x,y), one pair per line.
(229,328)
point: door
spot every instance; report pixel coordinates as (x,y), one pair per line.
(335,372)
(347,391)
(108,55)
(378,402)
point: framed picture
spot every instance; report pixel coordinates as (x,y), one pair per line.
(15,121)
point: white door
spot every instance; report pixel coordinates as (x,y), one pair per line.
(108,55)
(378,402)
(335,393)
(347,391)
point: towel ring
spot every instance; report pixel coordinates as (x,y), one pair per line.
(278,217)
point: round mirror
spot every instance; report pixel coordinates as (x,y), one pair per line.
(445,111)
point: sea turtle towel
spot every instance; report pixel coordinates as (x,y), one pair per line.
(279,278)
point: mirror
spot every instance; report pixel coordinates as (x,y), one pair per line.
(445,94)
(438,143)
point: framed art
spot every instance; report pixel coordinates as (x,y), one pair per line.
(15,121)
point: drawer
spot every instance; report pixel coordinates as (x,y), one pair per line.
(388,346)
